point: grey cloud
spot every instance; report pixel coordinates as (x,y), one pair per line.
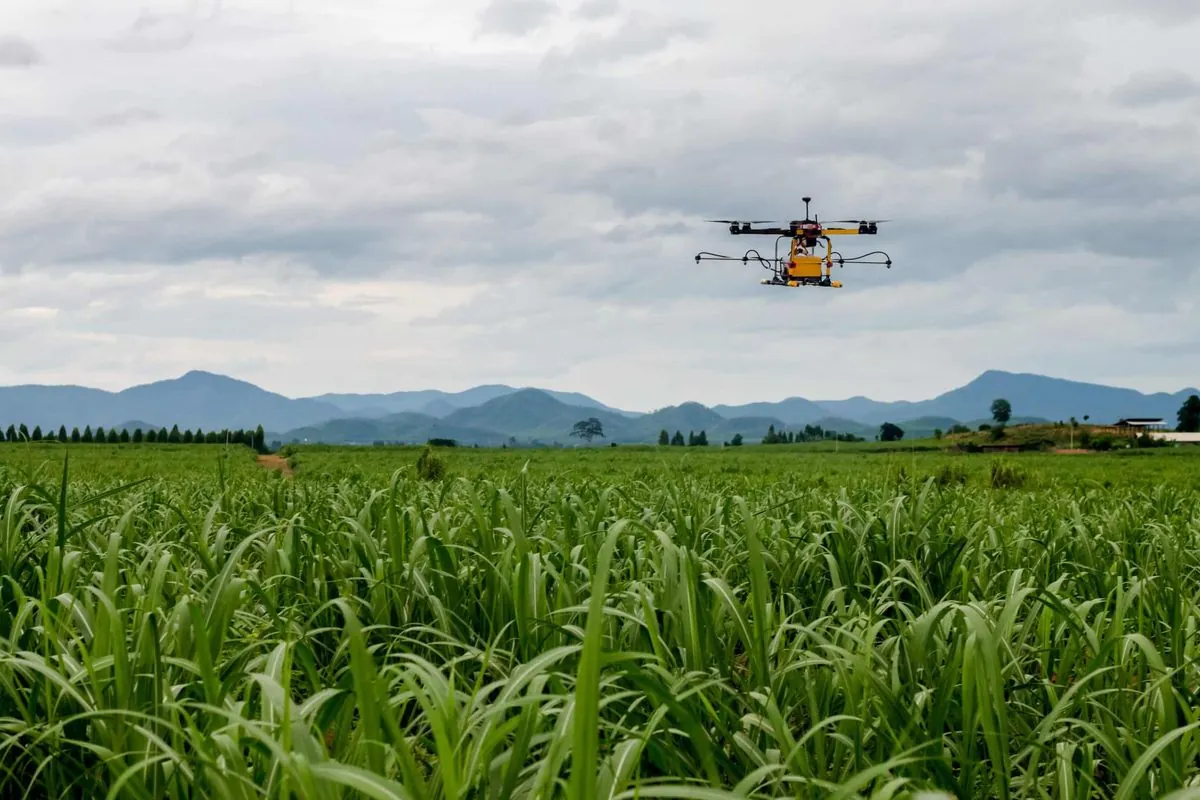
(1154,87)
(18,52)
(597,9)
(574,193)
(156,33)
(127,116)
(639,36)
(516,17)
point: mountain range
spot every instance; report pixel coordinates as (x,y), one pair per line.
(495,414)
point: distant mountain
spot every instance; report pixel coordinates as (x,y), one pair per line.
(407,427)
(437,403)
(197,398)
(532,416)
(793,411)
(494,412)
(1030,396)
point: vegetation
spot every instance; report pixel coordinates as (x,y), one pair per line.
(890,432)
(1189,415)
(254,438)
(588,429)
(1001,410)
(595,623)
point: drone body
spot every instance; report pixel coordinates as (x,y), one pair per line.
(802,266)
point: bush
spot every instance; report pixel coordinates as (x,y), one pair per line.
(1007,476)
(429,466)
(950,474)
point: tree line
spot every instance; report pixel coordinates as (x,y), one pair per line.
(693,439)
(251,438)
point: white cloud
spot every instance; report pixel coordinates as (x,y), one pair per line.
(385,196)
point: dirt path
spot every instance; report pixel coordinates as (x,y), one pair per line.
(275,462)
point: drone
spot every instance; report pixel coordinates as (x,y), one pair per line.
(802,266)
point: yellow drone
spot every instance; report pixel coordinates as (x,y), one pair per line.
(802,266)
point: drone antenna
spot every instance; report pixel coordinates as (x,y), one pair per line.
(806,202)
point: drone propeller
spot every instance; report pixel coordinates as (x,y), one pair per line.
(741,221)
(859,221)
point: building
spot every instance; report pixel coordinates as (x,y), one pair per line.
(1139,424)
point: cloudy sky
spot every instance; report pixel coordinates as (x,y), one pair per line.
(442,193)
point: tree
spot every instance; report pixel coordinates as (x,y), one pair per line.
(260,439)
(1001,410)
(772,436)
(737,440)
(124,436)
(677,439)
(23,432)
(99,436)
(188,436)
(664,439)
(198,437)
(37,433)
(1189,415)
(588,429)
(702,439)
(174,437)
(138,436)
(62,433)
(76,436)
(151,436)
(11,434)
(937,433)
(889,432)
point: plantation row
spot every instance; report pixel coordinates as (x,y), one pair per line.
(607,624)
(254,438)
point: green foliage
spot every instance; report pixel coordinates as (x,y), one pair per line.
(588,429)
(736,441)
(1007,476)
(430,467)
(1001,410)
(1189,415)
(664,439)
(890,432)
(176,622)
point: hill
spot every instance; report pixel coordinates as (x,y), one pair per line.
(196,399)
(1031,396)
(437,403)
(792,411)
(211,401)
(407,427)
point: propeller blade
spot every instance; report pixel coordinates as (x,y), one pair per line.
(741,221)
(859,221)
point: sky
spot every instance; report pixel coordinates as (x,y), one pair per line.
(374,196)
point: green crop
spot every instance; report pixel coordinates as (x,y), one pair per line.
(765,622)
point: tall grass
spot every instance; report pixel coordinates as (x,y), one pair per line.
(647,633)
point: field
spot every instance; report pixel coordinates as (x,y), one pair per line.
(768,621)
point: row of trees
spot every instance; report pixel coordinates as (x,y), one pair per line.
(693,439)
(811,433)
(252,438)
